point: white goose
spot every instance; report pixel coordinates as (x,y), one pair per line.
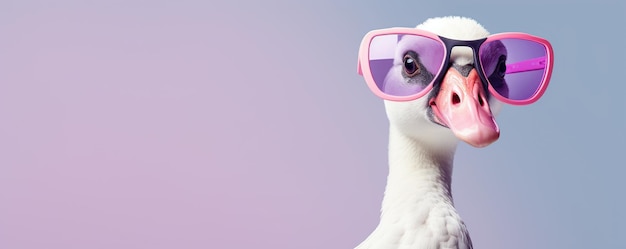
(417,209)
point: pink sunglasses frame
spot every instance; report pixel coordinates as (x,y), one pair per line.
(363,67)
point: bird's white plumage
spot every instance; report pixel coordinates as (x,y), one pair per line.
(455,27)
(417,210)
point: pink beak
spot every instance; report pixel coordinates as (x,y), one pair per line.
(461,105)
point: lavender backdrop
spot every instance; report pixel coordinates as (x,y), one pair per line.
(216,124)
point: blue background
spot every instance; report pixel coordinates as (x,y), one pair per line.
(243,124)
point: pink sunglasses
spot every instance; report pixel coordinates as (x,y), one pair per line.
(403,64)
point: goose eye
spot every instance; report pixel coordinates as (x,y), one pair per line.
(501,67)
(411,68)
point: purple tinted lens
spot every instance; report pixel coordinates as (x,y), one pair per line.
(404,65)
(514,67)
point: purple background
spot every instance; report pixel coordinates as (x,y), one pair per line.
(215,124)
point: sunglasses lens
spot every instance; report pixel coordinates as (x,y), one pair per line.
(515,67)
(404,65)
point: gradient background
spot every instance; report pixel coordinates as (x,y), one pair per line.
(215,124)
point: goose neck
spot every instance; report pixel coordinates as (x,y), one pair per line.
(417,172)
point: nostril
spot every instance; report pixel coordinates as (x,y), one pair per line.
(455,99)
(480,100)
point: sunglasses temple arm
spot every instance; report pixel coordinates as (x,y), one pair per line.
(527,65)
(358,69)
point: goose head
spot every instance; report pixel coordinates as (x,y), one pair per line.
(457,108)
